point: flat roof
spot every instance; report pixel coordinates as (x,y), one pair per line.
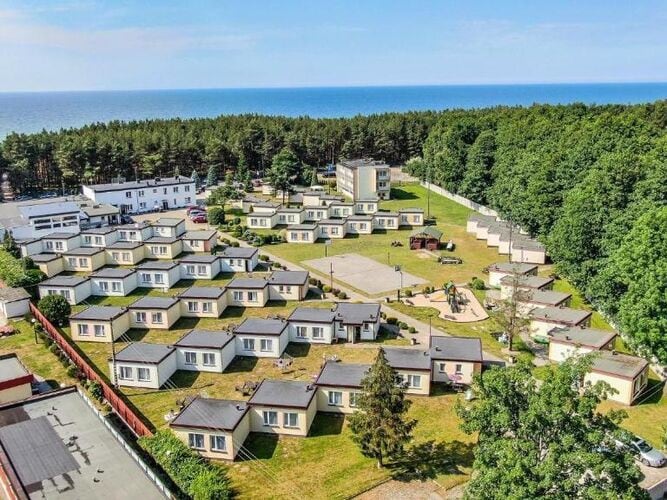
(385,214)
(213,339)
(546,297)
(157,265)
(362,163)
(291,210)
(428,231)
(59,448)
(166,240)
(408,359)
(11,368)
(248,283)
(356,314)
(45,257)
(146,183)
(238,252)
(154,303)
(360,217)
(99,313)
(199,259)
(411,210)
(126,245)
(513,267)
(199,234)
(616,364)
(202,292)
(289,277)
(283,393)
(342,374)
(332,222)
(527,281)
(312,315)
(302,227)
(8,295)
(99,230)
(64,281)
(528,244)
(60,235)
(456,348)
(86,251)
(562,315)
(113,272)
(143,352)
(47,209)
(589,337)
(213,414)
(167,221)
(260,326)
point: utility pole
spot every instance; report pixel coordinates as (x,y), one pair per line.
(113,362)
(510,247)
(331,272)
(428,195)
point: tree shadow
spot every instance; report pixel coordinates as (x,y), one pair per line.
(258,446)
(242,364)
(429,459)
(324,424)
(401,194)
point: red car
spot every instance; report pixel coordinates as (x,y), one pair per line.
(200,219)
(195,208)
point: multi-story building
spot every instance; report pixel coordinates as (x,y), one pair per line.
(363,179)
(146,195)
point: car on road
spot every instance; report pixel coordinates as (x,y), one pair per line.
(642,451)
(199,219)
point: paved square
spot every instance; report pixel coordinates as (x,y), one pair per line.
(363,273)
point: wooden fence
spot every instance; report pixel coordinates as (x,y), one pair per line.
(120,407)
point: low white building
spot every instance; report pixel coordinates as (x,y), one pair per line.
(412,217)
(413,367)
(302,233)
(290,216)
(339,386)
(205,351)
(527,250)
(14,302)
(333,228)
(100,237)
(202,241)
(288,285)
(238,259)
(385,220)
(262,220)
(160,274)
(113,282)
(575,341)
(200,267)
(545,320)
(154,312)
(262,338)
(75,289)
(137,232)
(203,302)
(360,224)
(311,325)
(143,365)
(499,270)
(355,322)
(248,292)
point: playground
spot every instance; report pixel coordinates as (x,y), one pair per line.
(454,303)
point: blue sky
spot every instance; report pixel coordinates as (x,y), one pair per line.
(88,44)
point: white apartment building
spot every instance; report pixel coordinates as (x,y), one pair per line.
(146,195)
(363,179)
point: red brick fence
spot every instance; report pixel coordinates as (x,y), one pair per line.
(120,407)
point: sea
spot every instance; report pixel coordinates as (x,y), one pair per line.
(26,112)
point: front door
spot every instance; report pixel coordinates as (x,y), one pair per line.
(355,332)
(165,204)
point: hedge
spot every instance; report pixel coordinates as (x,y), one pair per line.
(194,475)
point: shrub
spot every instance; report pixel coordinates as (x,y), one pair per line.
(216,216)
(237,220)
(225,241)
(342,295)
(264,258)
(95,389)
(55,308)
(403,326)
(335,291)
(477,284)
(319,284)
(72,371)
(412,329)
(276,264)
(408,293)
(48,342)
(194,475)
(391,320)
(426,290)
(312,281)
(326,288)
(235,244)
(383,315)
(53,348)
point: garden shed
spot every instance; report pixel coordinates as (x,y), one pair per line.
(425,237)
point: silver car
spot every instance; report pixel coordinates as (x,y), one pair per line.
(644,452)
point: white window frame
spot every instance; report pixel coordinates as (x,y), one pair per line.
(291,420)
(215,443)
(270,418)
(196,441)
(335,398)
(147,374)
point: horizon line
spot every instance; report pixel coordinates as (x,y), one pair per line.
(379,86)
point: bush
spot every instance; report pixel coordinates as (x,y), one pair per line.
(426,290)
(408,293)
(477,284)
(216,216)
(335,291)
(53,348)
(264,258)
(235,244)
(391,320)
(412,329)
(237,220)
(194,475)
(72,371)
(276,264)
(225,241)
(312,281)
(403,326)
(342,295)
(55,308)
(95,389)
(326,288)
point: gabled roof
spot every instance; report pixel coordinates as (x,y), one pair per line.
(456,348)
(428,231)
(212,414)
(99,313)
(154,303)
(283,394)
(9,295)
(212,339)
(342,374)
(258,326)
(408,359)
(357,314)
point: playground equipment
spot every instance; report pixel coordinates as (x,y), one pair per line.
(454,298)
(284,362)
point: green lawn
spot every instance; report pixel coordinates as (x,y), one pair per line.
(451,220)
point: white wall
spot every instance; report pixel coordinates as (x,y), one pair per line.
(278,344)
(222,356)
(159,374)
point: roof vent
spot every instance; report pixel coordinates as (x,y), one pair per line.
(309,387)
(437,348)
(157,179)
(239,408)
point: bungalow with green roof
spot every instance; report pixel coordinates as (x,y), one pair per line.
(425,238)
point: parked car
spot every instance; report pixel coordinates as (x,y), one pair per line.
(196,213)
(126,219)
(642,451)
(194,208)
(200,219)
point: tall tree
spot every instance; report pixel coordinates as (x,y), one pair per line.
(380,426)
(211,177)
(284,169)
(195,178)
(546,442)
(510,316)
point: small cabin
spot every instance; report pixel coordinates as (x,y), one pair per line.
(200,267)
(203,241)
(248,292)
(125,253)
(238,259)
(360,224)
(385,220)
(288,285)
(283,407)
(113,282)
(302,233)
(140,364)
(84,259)
(311,325)
(15,379)
(413,367)
(163,247)
(261,338)
(203,302)
(75,289)
(169,227)
(158,274)
(455,360)
(154,312)
(575,341)
(411,217)
(205,351)
(99,324)
(499,270)
(628,375)
(338,387)
(14,302)
(427,238)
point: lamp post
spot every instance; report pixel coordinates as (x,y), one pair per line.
(34,328)
(400,272)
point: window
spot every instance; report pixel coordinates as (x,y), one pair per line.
(115,255)
(59,245)
(252,296)
(294,236)
(290,419)
(83,262)
(175,189)
(146,278)
(218,443)
(201,270)
(125,373)
(285,289)
(238,296)
(367,327)
(156,317)
(116,286)
(190,358)
(83,330)
(186,189)
(414,381)
(458,369)
(266,345)
(141,193)
(206,307)
(301,332)
(253,222)
(49,245)
(196,441)
(142,204)
(190,269)
(270,418)
(193,243)
(126,256)
(193,306)
(104,285)
(128,194)
(248,344)
(318,332)
(99,240)
(99,331)
(335,398)
(209,359)
(362,225)
(140,317)
(441,367)
(86,240)
(187,198)
(354,398)
(159,278)
(71,261)
(334,230)
(143,375)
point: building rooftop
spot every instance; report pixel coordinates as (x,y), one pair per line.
(589,337)
(562,315)
(213,414)
(154,303)
(283,393)
(476,216)
(200,234)
(49,209)
(332,222)
(248,283)
(199,259)
(360,217)
(408,359)
(11,368)
(291,210)
(259,326)
(617,364)
(64,281)
(362,163)
(213,339)
(385,214)
(266,204)
(342,374)
(60,235)
(157,265)
(302,227)
(99,209)
(356,314)
(84,251)
(411,210)
(167,222)
(99,313)
(513,268)
(113,272)
(427,231)
(545,297)
(527,244)
(125,245)
(202,292)
(59,448)
(527,281)
(126,185)
(238,252)
(99,230)
(8,295)
(456,348)
(143,352)
(295,278)
(45,257)
(312,315)
(168,240)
